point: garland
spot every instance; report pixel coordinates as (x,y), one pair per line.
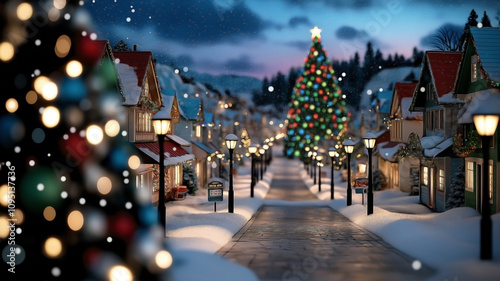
(412,150)
(471,143)
(427,162)
(148,104)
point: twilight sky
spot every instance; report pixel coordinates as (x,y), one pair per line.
(261,37)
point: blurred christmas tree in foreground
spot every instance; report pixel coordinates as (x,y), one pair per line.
(318,108)
(69,208)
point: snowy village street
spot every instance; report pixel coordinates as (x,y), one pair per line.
(298,233)
(312,242)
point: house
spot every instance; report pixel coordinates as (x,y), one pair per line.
(433,96)
(479,76)
(402,174)
(142,99)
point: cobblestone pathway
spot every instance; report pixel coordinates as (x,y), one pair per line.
(313,242)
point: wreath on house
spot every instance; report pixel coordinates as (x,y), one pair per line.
(463,147)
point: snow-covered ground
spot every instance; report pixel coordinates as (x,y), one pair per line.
(195,232)
(447,242)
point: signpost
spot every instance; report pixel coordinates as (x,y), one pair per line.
(360,185)
(215,188)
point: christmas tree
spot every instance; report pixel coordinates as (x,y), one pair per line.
(318,108)
(69,209)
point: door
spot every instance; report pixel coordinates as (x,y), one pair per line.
(432,189)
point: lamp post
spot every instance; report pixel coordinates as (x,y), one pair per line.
(349,148)
(252,150)
(332,152)
(307,149)
(319,157)
(314,165)
(161,126)
(231,141)
(369,140)
(261,152)
(486,122)
(270,151)
(266,147)
(310,155)
(220,155)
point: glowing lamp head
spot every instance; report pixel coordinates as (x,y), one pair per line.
(319,157)
(262,151)
(369,140)
(161,123)
(332,152)
(349,146)
(252,149)
(265,146)
(486,116)
(307,148)
(231,141)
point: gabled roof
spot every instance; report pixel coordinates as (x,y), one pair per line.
(190,108)
(132,68)
(487,43)
(444,68)
(168,97)
(403,94)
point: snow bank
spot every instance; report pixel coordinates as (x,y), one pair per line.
(447,242)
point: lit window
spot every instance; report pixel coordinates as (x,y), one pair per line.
(425,176)
(469,176)
(209,134)
(441,180)
(198,131)
(473,70)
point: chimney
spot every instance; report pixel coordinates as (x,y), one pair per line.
(135,47)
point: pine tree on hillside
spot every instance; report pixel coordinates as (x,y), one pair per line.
(457,189)
(318,109)
(121,46)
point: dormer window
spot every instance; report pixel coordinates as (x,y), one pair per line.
(144,122)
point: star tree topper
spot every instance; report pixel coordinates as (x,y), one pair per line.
(315,32)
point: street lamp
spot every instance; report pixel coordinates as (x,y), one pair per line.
(314,165)
(266,147)
(486,122)
(231,141)
(319,157)
(332,152)
(349,148)
(262,152)
(252,150)
(369,140)
(161,126)
(310,154)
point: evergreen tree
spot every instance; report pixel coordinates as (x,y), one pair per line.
(369,65)
(121,46)
(472,20)
(78,214)
(280,87)
(457,189)
(291,80)
(317,110)
(485,21)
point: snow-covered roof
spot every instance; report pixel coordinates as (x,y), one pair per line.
(487,42)
(480,101)
(405,105)
(443,67)
(190,108)
(129,84)
(388,150)
(180,141)
(168,102)
(448,98)
(433,145)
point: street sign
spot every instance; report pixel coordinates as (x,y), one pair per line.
(215,190)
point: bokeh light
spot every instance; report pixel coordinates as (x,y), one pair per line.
(24,11)
(63,46)
(11,105)
(4,227)
(59,4)
(31,97)
(4,191)
(94,134)
(49,213)
(104,185)
(120,273)
(6,51)
(51,117)
(134,162)
(112,128)
(163,259)
(49,91)
(74,68)
(52,247)
(75,220)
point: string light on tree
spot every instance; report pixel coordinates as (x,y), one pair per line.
(317,108)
